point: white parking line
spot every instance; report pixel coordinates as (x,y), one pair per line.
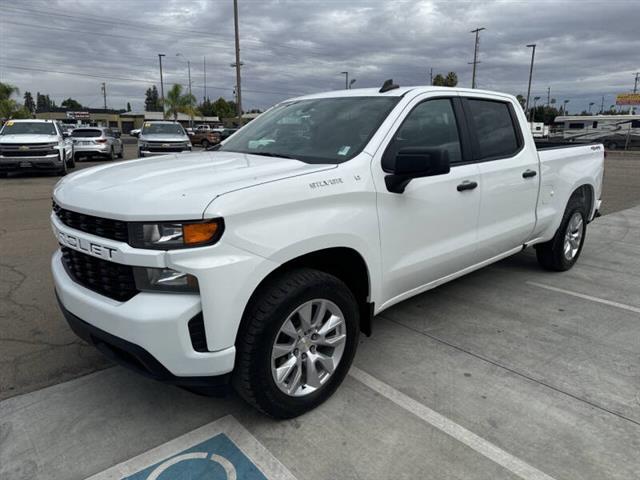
(442,423)
(587,297)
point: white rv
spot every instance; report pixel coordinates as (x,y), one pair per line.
(612,130)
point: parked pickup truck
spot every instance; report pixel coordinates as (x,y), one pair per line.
(34,145)
(162,138)
(204,138)
(260,262)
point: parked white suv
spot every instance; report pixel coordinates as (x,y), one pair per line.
(162,138)
(34,145)
(261,262)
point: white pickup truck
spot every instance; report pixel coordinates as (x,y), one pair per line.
(34,145)
(259,263)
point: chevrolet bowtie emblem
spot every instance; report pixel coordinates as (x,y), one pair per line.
(23,147)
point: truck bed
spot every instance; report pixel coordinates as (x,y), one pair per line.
(549,144)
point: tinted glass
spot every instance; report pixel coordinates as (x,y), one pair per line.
(322,130)
(430,125)
(86,132)
(32,128)
(160,128)
(635,123)
(576,126)
(494,128)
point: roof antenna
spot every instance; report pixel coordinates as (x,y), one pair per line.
(388,85)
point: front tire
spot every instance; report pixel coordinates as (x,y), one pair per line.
(563,250)
(71,162)
(62,171)
(205,144)
(296,342)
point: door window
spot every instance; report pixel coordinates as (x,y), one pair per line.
(432,124)
(495,129)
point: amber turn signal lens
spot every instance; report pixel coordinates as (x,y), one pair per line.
(195,233)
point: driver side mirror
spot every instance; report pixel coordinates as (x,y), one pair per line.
(416,162)
(65,135)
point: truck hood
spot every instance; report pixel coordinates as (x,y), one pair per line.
(25,138)
(170,187)
(163,138)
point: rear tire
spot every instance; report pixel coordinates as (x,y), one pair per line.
(563,250)
(205,144)
(121,154)
(273,308)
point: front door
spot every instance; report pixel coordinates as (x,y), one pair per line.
(429,231)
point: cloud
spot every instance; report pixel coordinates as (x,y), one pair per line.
(585,50)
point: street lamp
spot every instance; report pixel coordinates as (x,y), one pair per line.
(351,83)
(564,107)
(160,55)
(533,54)
(190,95)
(346,80)
(591,105)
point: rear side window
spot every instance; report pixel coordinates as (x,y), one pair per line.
(494,127)
(86,132)
(431,124)
(576,126)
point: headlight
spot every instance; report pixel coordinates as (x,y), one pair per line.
(171,235)
(164,280)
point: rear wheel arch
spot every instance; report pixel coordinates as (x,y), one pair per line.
(586,196)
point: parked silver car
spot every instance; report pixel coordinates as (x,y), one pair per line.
(162,138)
(97,142)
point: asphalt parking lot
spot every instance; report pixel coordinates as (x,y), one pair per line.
(510,372)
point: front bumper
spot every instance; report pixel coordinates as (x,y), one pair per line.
(154,152)
(155,322)
(42,162)
(137,358)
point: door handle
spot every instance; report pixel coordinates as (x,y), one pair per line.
(529,173)
(467,185)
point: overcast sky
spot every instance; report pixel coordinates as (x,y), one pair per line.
(66,48)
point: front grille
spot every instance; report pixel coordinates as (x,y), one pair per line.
(110,279)
(101,227)
(166,149)
(28,149)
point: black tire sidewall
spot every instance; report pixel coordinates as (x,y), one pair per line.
(559,241)
(268,396)
(204,144)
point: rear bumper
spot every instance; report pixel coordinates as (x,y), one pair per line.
(91,149)
(136,358)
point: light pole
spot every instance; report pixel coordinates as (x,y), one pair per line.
(533,54)
(591,104)
(190,95)
(204,69)
(475,55)
(346,80)
(564,107)
(160,55)
(351,83)
(238,63)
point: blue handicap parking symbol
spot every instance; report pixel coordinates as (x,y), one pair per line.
(217,458)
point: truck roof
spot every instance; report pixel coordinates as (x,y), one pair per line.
(396,92)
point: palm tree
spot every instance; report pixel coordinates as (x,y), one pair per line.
(9,108)
(177,102)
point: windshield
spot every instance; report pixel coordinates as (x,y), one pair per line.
(86,133)
(323,130)
(167,128)
(33,128)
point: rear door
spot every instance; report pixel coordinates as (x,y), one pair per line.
(509,171)
(429,231)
